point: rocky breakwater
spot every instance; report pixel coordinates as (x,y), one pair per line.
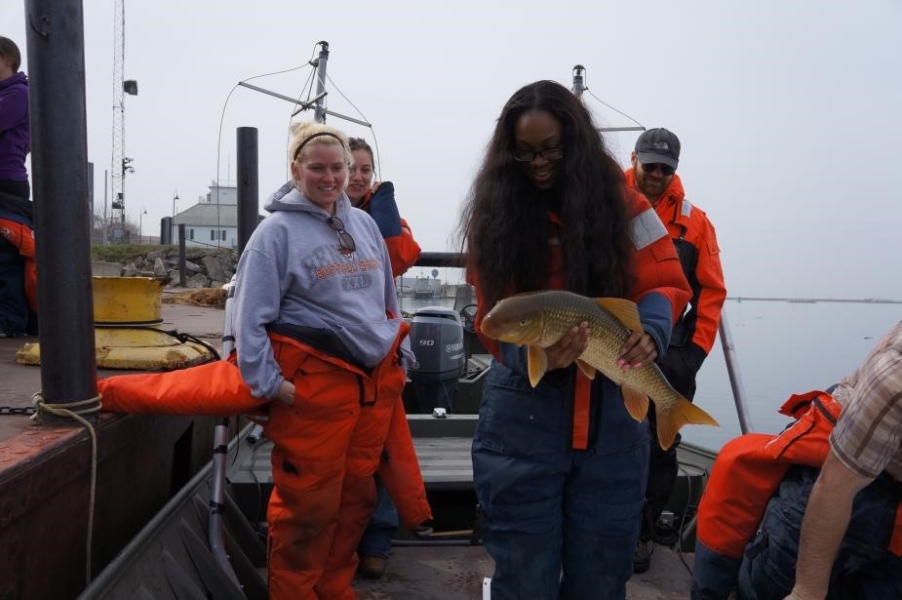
(204,268)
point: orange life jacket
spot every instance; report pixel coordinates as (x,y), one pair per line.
(728,519)
(690,225)
(403,250)
(21,236)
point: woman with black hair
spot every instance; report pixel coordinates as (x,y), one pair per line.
(560,469)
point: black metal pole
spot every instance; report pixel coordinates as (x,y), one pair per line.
(182,280)
(59,150)
(166,231)
(248,186)
(441,259)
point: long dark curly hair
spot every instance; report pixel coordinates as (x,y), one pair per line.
(504,227)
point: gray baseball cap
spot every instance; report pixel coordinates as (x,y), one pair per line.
(658,146)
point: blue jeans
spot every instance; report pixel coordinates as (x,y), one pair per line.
(376,540)
(863,569)
(713,574)
(559,522)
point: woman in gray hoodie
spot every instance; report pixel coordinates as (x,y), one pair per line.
(318,329)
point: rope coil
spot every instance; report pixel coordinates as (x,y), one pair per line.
(75,411)
(69,410)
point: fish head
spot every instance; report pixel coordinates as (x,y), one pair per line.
(516,320)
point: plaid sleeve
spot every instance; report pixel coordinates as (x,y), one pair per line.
(868,434)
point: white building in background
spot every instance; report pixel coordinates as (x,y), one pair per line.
(213,221)
(218,194)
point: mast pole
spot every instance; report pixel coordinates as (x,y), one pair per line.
(59,160)
(579,85)
(319,114)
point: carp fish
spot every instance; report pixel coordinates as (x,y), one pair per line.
(539,319)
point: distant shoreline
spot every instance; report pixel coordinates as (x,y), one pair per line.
(812,300)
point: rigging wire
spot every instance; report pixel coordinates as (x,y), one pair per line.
(232,91)
(378,164)
(614,109)
(308,86)
(586,89)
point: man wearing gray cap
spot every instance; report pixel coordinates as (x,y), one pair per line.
(653,173)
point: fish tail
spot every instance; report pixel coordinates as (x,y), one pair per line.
(682,413)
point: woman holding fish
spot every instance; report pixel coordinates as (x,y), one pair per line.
(559,462)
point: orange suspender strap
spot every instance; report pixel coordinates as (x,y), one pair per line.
(581,411)
(895,542)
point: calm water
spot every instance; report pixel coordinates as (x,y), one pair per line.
(783,348)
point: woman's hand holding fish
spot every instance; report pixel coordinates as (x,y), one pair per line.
(638,351)
(562,353)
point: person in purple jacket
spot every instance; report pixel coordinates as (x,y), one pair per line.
(15,139)
(17,316)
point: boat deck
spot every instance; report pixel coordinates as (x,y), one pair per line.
(444,462)
(452,568)
(55,460)
(458,573)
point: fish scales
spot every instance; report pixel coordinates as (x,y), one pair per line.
(606,336)
(540,319)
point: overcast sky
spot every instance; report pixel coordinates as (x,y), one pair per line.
(788,110)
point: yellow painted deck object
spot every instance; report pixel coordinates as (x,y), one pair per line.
(127,333)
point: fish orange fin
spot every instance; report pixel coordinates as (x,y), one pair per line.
(623,310)
(636,402)
(587,369)
(682,413)
(537,364)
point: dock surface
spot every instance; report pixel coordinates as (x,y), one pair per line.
(45,473)
(19,382)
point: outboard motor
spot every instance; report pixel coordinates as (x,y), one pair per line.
(437,340)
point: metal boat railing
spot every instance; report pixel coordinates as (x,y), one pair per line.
(736,383)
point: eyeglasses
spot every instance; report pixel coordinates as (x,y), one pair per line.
(666,170)
(549,154)
(344,238)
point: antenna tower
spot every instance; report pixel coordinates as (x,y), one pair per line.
(120,165)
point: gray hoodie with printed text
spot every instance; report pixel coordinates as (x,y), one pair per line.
(293,271)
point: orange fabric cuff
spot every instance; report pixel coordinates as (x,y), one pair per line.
(895,542)
(581,412)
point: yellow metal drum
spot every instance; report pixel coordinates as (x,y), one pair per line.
(127,315)
(127,299)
